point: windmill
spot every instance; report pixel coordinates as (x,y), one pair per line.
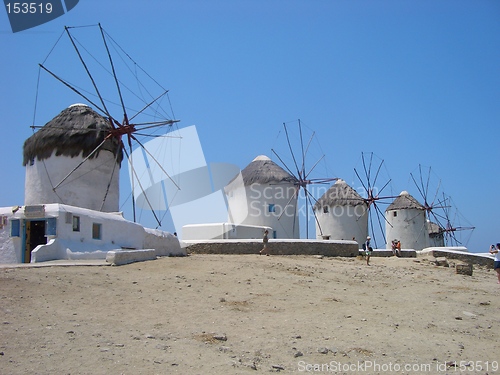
(373,170)
(444,221)
(457,230)
(139,99)
(299,167)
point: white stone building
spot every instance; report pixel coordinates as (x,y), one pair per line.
(54,231)
(64,163)
(436,235)
(222,231)
(406,221)
(266,196)
(342,214)
(72,196)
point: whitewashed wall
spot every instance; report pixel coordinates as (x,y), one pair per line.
(86,187)
(343,223)
(219,231)
(10,247)
(437,240)
(409,227)
(117,233)
(164,243)
(254,202)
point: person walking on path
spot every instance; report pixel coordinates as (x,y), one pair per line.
(496,265)
(265,240)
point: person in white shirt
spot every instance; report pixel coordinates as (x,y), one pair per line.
(368,250)
(496,265)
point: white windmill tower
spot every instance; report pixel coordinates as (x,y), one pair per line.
(406,221)
(268,197)
(71,155)
(342,214)
(71,160)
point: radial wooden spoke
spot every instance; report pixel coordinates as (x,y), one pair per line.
(118,128)
(302,175)
(372,168)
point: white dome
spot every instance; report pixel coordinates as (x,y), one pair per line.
(261,158)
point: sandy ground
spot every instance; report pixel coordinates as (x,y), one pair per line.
(246,314)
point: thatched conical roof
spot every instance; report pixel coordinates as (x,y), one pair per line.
(434,229)
(340,194)
(405,201)
(76,129)
(263,170)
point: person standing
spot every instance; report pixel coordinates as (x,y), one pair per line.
(265,240)
(368,250)
(496,265)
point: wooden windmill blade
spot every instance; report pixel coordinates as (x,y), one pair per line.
(372,174)
(299,166)
(457,229)
(440,208)
(102,75)
(428,185)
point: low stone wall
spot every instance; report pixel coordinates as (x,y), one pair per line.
(469,258)
(165,244)
(405,253)
(275,247)
(120,257)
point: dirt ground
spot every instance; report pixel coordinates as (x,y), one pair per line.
(246,314)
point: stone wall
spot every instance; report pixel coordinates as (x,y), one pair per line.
(469,258)
(405,253)
(120,257)
(277,247)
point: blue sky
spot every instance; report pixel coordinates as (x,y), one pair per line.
(414,82)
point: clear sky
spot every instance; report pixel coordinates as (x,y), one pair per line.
(414,82)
